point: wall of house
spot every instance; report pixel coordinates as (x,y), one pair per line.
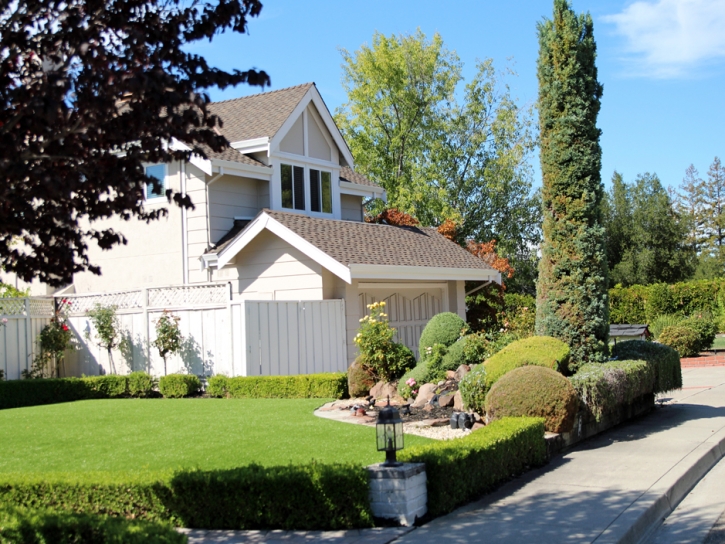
(294,140)
(230,197)
(196,220)
(271,269)
(316,136)
(152,255)
(351,207)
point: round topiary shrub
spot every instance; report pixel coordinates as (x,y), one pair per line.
(360,379)
(473,388)
(534,391)
(444,328)
(542,351)
(176,386)
(683,340)
(140,384)
(705,328)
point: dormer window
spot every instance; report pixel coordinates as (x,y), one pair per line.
(294,195)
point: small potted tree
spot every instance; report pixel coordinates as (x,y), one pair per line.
(168,335)
(108,329)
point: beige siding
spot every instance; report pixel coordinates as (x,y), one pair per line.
(196,223)
(152,256)
(230,197)
(294,140)
(271,269)
(319,148)
(351,206)
(263,194)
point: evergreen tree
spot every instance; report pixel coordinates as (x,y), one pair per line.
(572,299)
(690,207)
(714,210)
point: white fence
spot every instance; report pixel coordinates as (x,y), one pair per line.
(221,336)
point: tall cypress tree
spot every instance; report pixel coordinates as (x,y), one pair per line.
(572,299)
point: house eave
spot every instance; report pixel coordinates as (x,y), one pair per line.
(253,145)
(240,169)
(422,273)
(365,191)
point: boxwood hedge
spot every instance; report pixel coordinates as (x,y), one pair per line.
(302,386)
(666,362)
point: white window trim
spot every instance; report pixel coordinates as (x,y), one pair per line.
(157,198)
(334,177)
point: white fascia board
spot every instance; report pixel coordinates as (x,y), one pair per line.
(356,189)
(241,169)
(209,260)
(264,221)
(202,164)
(253,145)
(423,273)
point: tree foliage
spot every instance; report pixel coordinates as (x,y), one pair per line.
(441,152)
(647,240)
(572,302)
(90,90)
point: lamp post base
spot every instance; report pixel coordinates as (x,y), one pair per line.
(398,493)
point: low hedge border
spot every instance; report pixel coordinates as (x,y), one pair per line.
(462,469)
(665,360)
(302,386)
(23,526)
(300,497)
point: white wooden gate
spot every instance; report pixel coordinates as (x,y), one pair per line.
(294,337)
(23,319)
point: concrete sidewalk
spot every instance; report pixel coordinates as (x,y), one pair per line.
(616,487)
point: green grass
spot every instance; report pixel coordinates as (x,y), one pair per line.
(719,343)
(131,435)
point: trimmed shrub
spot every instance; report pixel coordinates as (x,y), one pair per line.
(705,328)
(176,386)
(473,388)
(661,322)
(140,384)
(659,301)
(538,350)
(302,386)
(23,526)
(311,496)
(359,379)
(444,328)
(419,375)
(534,391)
(216,386)
(401,358)
(605,387)
(456,354)
(462,469)
(666,362)
(106,387)
(21,393)
(684,340)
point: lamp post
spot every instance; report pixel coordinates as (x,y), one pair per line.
(389,431)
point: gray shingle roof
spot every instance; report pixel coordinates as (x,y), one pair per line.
(258,115)
(232,155)
(348,174)
(352,242)
(628,330)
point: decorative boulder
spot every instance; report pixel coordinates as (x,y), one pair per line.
(425,393)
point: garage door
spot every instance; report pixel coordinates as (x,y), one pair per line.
(407,312)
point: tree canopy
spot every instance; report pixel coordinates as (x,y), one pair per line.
(572,301)
(441,152)
(90,90)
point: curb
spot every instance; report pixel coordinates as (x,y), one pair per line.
(645,514)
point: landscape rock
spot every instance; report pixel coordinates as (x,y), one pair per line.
(477,425)
(458,402)
(429,408)
(425,393)
(382,390)
(444,401)
(462,371)
(450,374)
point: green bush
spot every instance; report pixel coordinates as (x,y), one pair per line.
(538,350)
(456,354)
(23,526)
(312,496)
(666,362)
(386,359)
(301,386)
(110,386)
(659,301)
(418,375)
(605,387)
(534,391)
(473,387)
(216,386)
(176,386)
(401,358)
(140,384)
(21,393)
(444,328)
(704,327)
(683,340)
(360,379)
(463,469)
(659,323)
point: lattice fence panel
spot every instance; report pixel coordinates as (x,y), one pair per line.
(127,300)
(12,306)
(41,307)
(188,295)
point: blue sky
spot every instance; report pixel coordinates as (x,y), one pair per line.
(662,63)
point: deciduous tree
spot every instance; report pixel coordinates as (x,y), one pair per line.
(90,90)
(572,302)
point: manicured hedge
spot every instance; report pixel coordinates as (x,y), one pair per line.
(312,496)
(302,386)
(604,388)
(176,386)
(23,526)
(537,350)
(462,469)
(666,362)
(444,328)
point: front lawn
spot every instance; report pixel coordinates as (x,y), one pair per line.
(719,343)
(158,434)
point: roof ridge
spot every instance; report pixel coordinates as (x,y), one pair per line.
(308,84)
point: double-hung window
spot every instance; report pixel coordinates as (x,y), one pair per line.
(319,183)
(157,171)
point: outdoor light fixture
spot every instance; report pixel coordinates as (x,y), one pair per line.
(389,429)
